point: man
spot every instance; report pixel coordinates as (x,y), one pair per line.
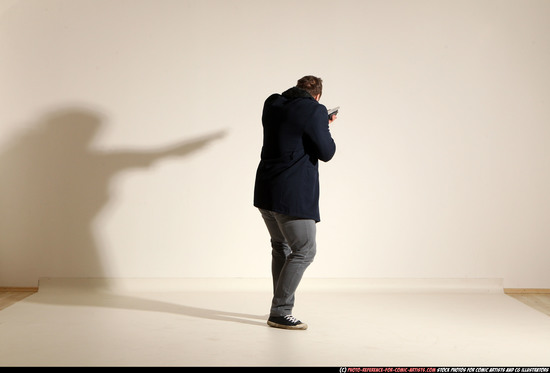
(295,137)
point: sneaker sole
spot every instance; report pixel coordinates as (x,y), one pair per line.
(292,327)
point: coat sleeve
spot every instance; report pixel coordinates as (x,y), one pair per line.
(318,135)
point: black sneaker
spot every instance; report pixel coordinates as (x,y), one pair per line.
(286,322)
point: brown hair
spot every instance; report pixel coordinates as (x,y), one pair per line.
(311,84)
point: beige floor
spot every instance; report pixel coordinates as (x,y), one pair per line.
(222,323)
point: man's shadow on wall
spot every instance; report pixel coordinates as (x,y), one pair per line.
(54,184)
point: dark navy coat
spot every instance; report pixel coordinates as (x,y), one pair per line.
(295,137)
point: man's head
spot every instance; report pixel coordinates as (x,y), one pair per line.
(311,84)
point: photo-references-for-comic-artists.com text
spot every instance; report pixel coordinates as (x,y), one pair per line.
(445,370)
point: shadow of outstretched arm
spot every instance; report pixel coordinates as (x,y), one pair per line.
(142,158)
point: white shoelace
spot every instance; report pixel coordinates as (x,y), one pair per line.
(292,319)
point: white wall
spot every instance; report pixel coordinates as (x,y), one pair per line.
(442,164)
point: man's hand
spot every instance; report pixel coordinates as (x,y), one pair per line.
(332,118)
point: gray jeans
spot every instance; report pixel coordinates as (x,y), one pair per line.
(293,249)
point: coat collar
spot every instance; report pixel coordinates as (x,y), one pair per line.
(296,92)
